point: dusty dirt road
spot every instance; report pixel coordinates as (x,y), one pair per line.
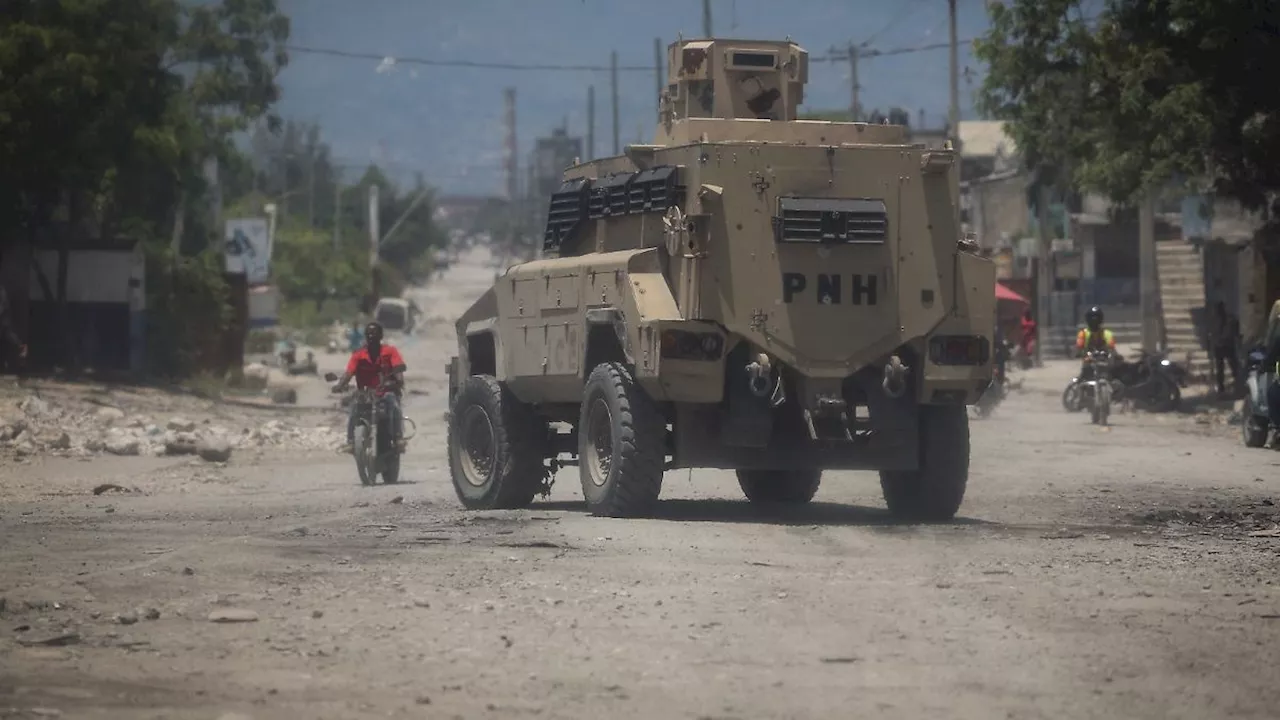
(1094,574)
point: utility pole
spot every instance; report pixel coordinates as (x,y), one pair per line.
(311,191)
(706,18)
(657,73)
(591,122)
(613,86)
(853,83)
(337,212)
(1150,293)
(373,244)
(1043,274)
(954,111)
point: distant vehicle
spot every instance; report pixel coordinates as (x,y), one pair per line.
(395,314)
(752,292)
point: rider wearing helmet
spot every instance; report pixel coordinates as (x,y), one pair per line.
(1093,336)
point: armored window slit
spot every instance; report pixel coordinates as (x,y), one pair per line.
(831,221)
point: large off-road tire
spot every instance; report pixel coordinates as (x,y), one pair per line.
(787,487)
(934,491)
(621,444)
(496,446)
(1253,429)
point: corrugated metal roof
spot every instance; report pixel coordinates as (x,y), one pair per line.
(984,138)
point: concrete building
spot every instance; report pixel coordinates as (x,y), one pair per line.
(551,155)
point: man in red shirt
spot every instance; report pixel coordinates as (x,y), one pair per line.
(380,367)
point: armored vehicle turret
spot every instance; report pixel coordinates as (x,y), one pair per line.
(753,292)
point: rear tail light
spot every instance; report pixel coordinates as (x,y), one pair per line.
(959,350)
(685,345)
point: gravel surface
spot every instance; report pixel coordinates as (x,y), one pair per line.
(1120,572)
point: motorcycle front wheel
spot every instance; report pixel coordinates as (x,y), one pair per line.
(364,452)
(1071,398)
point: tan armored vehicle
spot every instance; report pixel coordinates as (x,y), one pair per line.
(753,292)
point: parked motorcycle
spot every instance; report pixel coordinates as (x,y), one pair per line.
(1255,421)
(1153,382)
(373,444)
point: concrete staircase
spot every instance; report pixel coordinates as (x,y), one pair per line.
(1181,271)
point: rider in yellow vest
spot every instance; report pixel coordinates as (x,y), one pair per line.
(1093,336)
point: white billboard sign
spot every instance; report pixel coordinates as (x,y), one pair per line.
(247,248)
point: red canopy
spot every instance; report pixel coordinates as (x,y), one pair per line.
(1004,293)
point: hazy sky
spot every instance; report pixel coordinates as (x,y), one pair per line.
(447,122)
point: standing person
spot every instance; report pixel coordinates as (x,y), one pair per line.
(380,367)
(1224,335)
(1028,339)
(354,337)
(10,343)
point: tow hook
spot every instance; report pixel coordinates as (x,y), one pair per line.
(895,378)
(758,375)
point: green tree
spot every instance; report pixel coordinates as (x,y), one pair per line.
(1141,94)
(107,111)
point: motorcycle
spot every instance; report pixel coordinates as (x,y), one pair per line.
(1153,382)
(1095,386)
(373,445)
(1255,421)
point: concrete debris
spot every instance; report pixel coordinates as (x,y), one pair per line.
(214,449)
(181,443)
(110,415)
(56,427)
(124,445)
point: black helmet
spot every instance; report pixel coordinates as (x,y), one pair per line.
(1093,318)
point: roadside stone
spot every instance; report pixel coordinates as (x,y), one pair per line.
(180,443)
(11,428)
(127,618)
(233,615)
(123,445)
(110,415)
(57,441)
(151,614)
(181,425)
(214,449)
(35,407)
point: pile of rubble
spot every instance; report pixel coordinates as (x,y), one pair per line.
(37,426)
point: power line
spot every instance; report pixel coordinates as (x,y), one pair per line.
(408,60)
(463,63)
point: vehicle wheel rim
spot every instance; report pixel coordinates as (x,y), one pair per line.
(477,446)
(599,443)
